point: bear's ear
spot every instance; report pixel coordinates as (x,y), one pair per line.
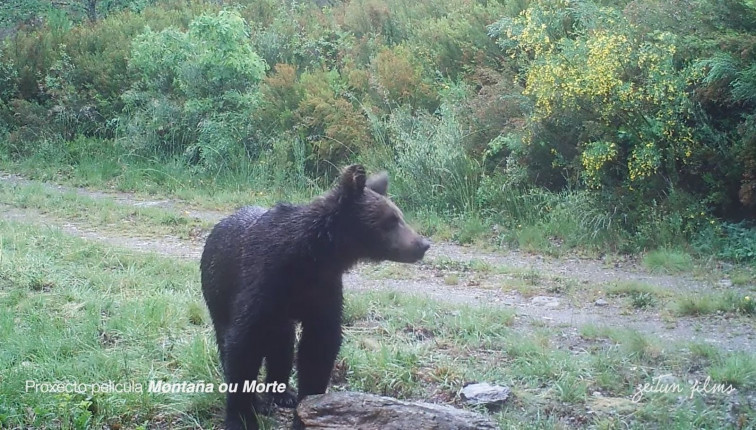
(378,183)
(352,181)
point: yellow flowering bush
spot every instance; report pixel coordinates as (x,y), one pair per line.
(594,158)
(586,69)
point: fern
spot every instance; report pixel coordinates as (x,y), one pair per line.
(720,67)
(744,86)
(723,68)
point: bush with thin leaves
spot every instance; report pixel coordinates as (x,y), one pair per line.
(432,166)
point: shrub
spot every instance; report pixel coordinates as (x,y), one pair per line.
(496,110)
(457,43)
(432,167)
(622,123)
(281,95)
(194,90)
(80,71)
(373,17)
(8,76)
(31,54)
(337,129)
(31,124)
(7,91)
(619,104)
(399,78)
(728,241)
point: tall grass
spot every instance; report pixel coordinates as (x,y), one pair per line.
(431,166)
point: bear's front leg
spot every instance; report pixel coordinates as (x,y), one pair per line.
(318,348)
(279,360)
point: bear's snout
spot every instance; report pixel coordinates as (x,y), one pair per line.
(424,246)
(421,245)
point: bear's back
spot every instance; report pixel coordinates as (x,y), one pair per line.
(222,258)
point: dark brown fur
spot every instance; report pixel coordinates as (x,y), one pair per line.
(265,270)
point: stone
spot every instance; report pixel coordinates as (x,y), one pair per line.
(545,301)
(668,379)
(725,283)
(350,410)
(491,396)
(600,302)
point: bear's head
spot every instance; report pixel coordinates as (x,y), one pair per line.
(375,226)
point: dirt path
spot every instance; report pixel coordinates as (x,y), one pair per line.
(559,293)
(119,197)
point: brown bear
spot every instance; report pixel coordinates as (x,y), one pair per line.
(265,270)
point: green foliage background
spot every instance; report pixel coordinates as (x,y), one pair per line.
(619,124)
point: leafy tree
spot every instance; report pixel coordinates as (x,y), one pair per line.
(733,81)
(194,90)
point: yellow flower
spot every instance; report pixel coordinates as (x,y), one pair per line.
(747,298)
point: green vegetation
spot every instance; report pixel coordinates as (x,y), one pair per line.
(631,288)
(78,311)
(735,369)
(625,126)
(546,125)
(722,302)
(103,214)
(641,295)
(668,260)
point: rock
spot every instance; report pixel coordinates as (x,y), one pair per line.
(600,302)
(545,301)
(668,379)
(350,410)
(491,396)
